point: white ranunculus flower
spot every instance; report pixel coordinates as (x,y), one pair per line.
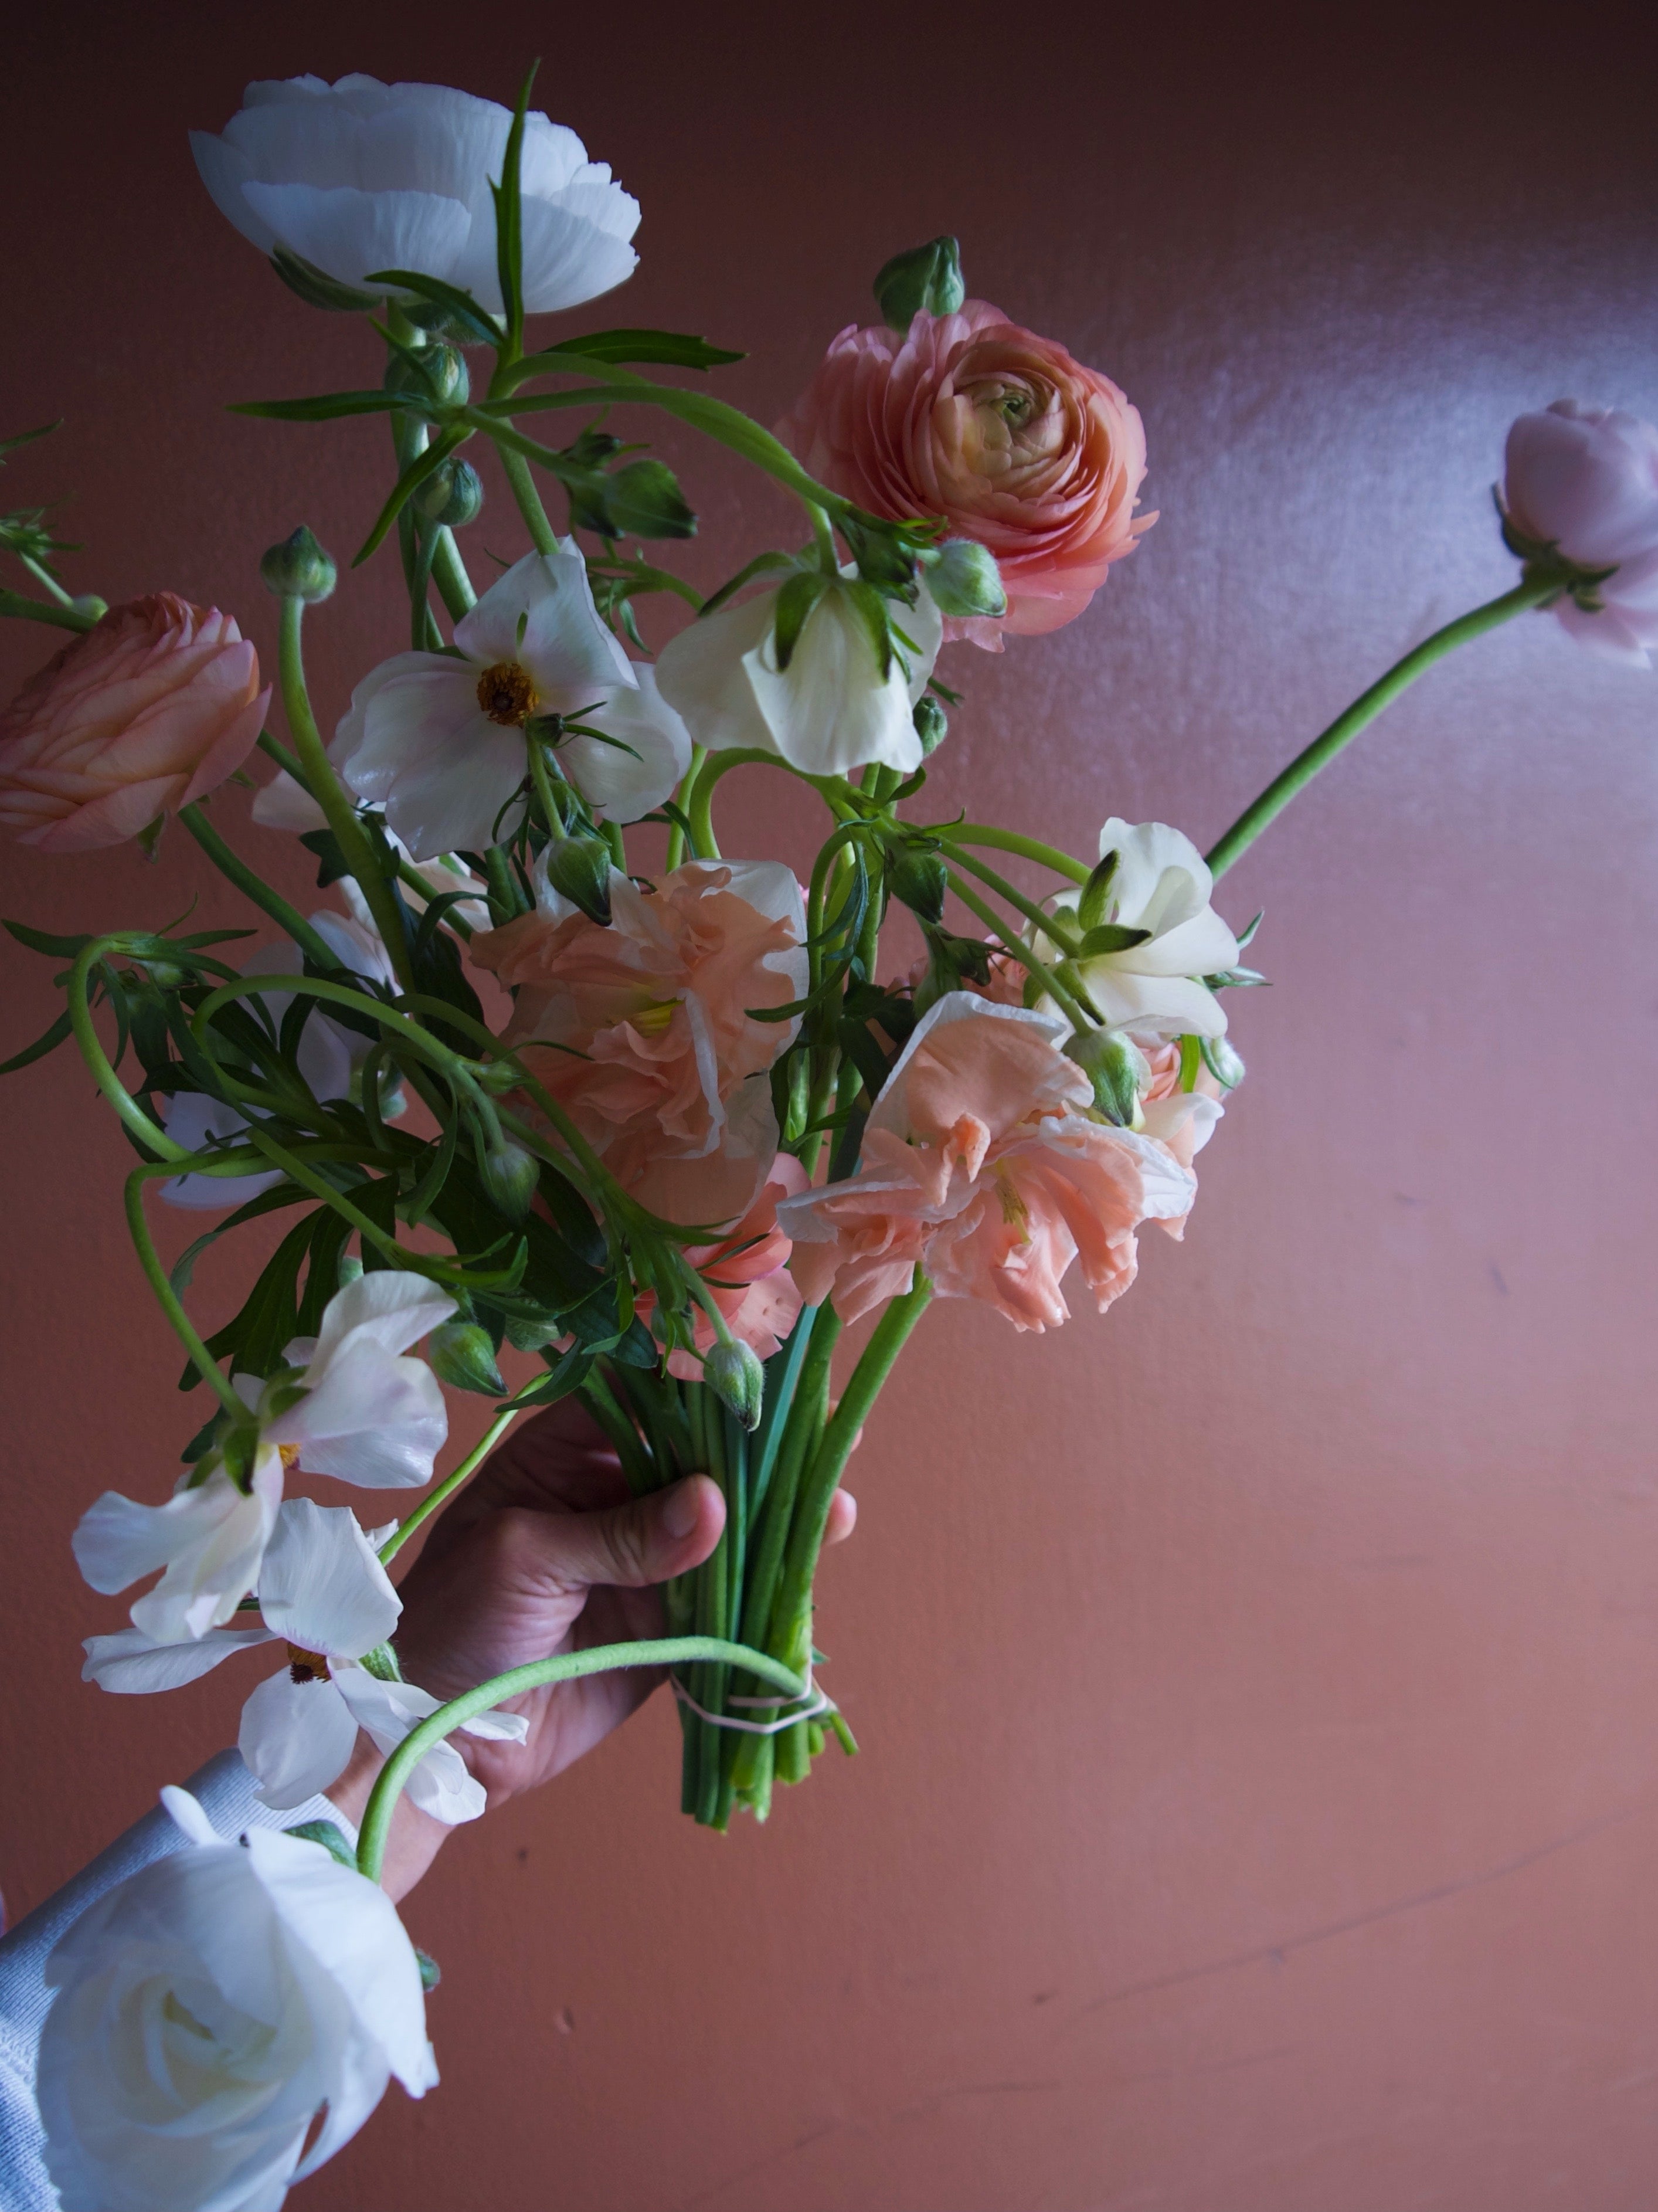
(323,1592)
(209,2009)
(439,741)
(329,1058)
(1162,885)
(1585,480)
(360,176)
(347,1405)
(829,711)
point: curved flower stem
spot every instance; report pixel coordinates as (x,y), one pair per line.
(565,1667)
(167,1299)
(24,608)
(1016,898)
(1531,590)
(542,536)
(449,574)
(452,1482)
(676,835)
(254,886)
(329,794)
(1065,1000)
(832,790)
(1028,848)
(151,1136)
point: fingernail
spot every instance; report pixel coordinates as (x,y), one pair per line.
(681,1509)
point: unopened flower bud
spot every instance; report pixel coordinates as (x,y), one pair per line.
(298,569)
(931,724)
(88,603)
(1116,1066)
(436,372)
(919,881)
(1223,1061)
(964,581)
(453,494)
(736,1377)
(579,869)
(926,280)
(462,1355)
(510,1175)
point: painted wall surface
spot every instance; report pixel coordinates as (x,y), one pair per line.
(1260,1794)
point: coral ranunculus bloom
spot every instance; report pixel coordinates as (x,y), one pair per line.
(1002,433)
(642,1029)
(982,1167)
(153,707)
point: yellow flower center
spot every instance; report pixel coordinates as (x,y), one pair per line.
(289,1456)
(506,695)
(305,1666)
(652,1019)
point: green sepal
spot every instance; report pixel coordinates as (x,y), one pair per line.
(1094,905)
(1110,937)
(1224,1061)
(329,1837)
(318,288)
(643,500)
(796,600)
(481,326)
(871,609)
(430,1972)
(382,1663)
(331,861)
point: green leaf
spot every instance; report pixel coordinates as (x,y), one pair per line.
(1110,937)
(645,501)
(322,1274)
(257,1336)
(674,348)
(28,437)
(331,861)
(461,305)
(267,1201)
(327,407)
(58,948)
(795,602)
(509,219)
(49,1042)
(423,465)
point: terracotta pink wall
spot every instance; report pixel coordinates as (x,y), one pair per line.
(1258,1808)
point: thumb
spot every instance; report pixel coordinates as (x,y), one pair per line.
(646,1540)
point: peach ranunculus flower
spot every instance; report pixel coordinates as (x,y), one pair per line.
(147,711)
(1002,433)
(982,1166)
(641,1030)
(748,1278)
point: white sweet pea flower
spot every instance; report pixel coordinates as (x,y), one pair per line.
(439,741)
(323,1594)
(209,2009)
(360,176)
(829,711)
(329,1058)
(347,1405)
(1162,885)
(1584,480)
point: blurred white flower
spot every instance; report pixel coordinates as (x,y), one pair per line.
(1584,480)
(347,1405)
(829,711)
(209,2009)
(440,740)
(322,1592)
(1162,885)
(360,176)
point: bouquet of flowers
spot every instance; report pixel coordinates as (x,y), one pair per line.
(719,1123)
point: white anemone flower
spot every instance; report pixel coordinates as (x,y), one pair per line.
(1162,885)
(330,1057)
(209,2009)
(360,176)
(323,1594)
(829,711)
(347,1405)
(440,740)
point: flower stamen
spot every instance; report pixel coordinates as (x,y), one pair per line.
(305,1666)
(506,695)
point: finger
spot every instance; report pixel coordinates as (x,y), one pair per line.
(626,1546)
(842,1517)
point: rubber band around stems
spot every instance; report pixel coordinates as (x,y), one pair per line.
(820,1703)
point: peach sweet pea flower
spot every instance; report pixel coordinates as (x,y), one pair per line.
(1002,433)
(982,1167)
(642,1028)
(748,1277)
(151,708)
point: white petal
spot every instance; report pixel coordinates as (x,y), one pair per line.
(1203,945)
(1161,877)
(131,1663)
(498,1728)
(224,170)
(321,1586)
(210,1539)
(296,1738)
(349,233)
(1169,1006)
(830,710)
(575,247)
(624,785)
(190,1118)
(349,730)
(701,675)
(393,1307)
(572,656)
(282,804)
(371,1418)
(439,1784)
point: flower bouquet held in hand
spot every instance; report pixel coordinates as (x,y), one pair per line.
(717,1123)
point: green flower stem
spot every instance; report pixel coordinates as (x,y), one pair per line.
(522,485)
(167,1299)
(254,887)
(1034,913)
(565,1667)
(450,1482)
(274,748)
(676,835)
(637,1464)
(24,608)
(1028,848)
(1068,1003)
(329,794)
(44,576)
(698,801)
(1531,590)
(449,574)
(151,1136)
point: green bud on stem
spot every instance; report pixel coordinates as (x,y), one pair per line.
(579,869)
(462,1355)
(435,372)
(965,579)
(931,724)
(928,280)
(511,1176)
(736,1377)
(919,881)
(1116,1066)
(451,496)
(299,568)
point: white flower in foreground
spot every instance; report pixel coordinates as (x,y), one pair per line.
(829,711)
(1585,481)
(439,741)
(347,1405)
(329,1058)
(209,2009)
(282,804)
(323,1594)
(360,176)
(1162,885)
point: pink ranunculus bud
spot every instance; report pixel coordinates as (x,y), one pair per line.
(1017,445)
(1584,482)
(141,715)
